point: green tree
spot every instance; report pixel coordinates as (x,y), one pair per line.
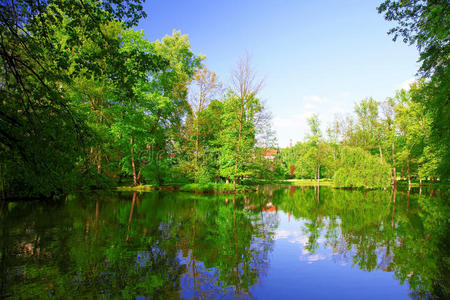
(368,128)
(245,89)
(145,122)
(422,23)
(358,168)
(42,136)
(390,134)
(425,24)
(318,149)
(414,125)
(204,88)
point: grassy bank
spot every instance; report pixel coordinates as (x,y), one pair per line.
(425,183)
(309,182)
(206,188)
(138,188)
(329,182)
(224,188)
(214,188)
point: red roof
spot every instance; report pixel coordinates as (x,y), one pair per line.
(269,152)
(269,209)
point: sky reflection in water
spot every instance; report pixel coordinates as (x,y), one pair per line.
(279,243)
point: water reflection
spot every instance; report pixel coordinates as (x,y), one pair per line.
(279,242)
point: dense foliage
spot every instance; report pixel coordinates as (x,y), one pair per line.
(393,138)
(410,131)
(425,23)
(89,102)
(360,169)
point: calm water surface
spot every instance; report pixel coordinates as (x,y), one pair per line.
(279,243)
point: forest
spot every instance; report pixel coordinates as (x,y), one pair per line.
(380,144)
(89,103)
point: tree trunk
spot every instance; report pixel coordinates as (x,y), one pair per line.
(318,175)
(381,152)
(196,145)
(409,176)
(91,159)
(241,119)
(3,183)
(132,162)
(393,164)
(318,194)
(194,271)
(393,207)
(96,211)
(420,185)
(236,242)
(407,205)
(99,162)
(131,215)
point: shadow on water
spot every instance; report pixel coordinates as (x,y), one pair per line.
(174,245)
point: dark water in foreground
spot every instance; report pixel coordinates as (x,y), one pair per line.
(278,243)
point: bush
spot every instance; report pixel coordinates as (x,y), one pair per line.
(360,169)
(161,173)
(204,176)
(211,187)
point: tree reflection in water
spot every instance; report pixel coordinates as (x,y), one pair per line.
(401,232)
(170,245)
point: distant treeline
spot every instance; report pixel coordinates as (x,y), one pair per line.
(382,142)
(406,136)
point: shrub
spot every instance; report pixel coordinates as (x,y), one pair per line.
(359,168)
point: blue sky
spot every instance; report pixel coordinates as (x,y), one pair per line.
(318,56)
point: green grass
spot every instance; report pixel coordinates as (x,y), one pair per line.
(309,182)
(212,188)
(257,181)
(329,182)
(138,188)
(424,183)
(224,188)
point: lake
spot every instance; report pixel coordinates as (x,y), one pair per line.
(281,242)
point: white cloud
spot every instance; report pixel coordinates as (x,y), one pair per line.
(293,124)
(310,106)
(315,98)
(286,122)
(302,240)
(405,84)
(314,257)
(282,234)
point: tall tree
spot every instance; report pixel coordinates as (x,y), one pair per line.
(425,23)
(245,87)
(318,148)
(204,88)
(41,48)
(388,112)
(159,103)
(369,130)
